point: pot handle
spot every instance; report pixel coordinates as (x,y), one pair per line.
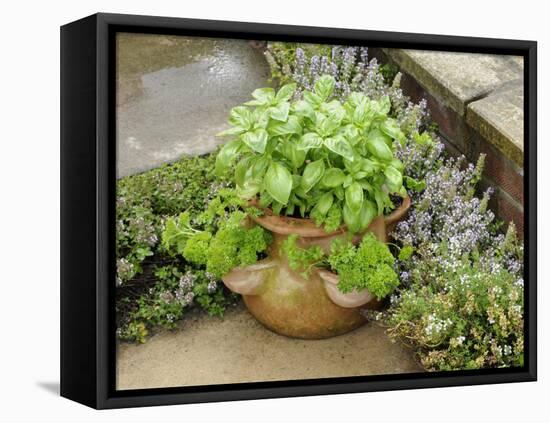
(249,280)
(399,212)
(351,300)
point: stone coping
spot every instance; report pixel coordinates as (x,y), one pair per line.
(484,89)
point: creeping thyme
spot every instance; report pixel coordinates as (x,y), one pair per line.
(154,290)
(460,304)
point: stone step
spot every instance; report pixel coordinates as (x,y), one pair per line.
(477,100)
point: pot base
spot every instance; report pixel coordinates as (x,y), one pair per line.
(300,308)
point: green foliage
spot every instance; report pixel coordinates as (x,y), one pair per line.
(176,290)
(145,273)
(144,199)
(226,242)
(314,157)
(234,245)
(389,72)
(406,252)
(301,259)
(281,55)
(461,314)
(368,266)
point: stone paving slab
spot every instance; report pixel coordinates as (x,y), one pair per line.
(174,94)
(458,78)
(208,350)
(499,118)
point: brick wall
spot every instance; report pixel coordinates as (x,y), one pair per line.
(504,166)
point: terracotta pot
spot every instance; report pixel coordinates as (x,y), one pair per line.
(291,305)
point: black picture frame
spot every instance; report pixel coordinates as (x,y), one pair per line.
(87,210)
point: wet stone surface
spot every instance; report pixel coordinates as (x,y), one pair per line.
(209,350)
(174,94)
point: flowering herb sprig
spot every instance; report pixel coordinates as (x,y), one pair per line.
(460,304)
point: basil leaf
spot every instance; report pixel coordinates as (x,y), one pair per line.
(310,140)
(263,95)
(303,108)
(356,98)
(397,164)
(382,107)
(333,108)
(290,209)
(291,152)
(313,99)
(392,129)
(240,116)
(360,113)
(339,193)
(313,172)
(278,182)
(226,155)
(291,126)
(352,134)
(280,112)
(351,219)
(285,92)
(382,199)
(339,145)
(259,167)
(348,180)
(377,145)
(250,188)
(367,214)
(260,117)
(256,140)
(324,86)
(354,197)
(276,207)
(323,205)
(394,178)
(333,177)
(243,171)
(234,130)
(265,199)
(327,125)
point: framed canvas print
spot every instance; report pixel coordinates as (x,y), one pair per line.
(257,211)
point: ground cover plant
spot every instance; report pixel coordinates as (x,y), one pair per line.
(154,288)
(460,304)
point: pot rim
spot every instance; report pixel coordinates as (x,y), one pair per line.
(306,227)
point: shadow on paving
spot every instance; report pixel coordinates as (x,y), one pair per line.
(208,350)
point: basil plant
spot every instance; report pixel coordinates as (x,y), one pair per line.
(329,161)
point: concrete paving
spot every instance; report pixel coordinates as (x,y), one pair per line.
(208,350)
(174,95)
